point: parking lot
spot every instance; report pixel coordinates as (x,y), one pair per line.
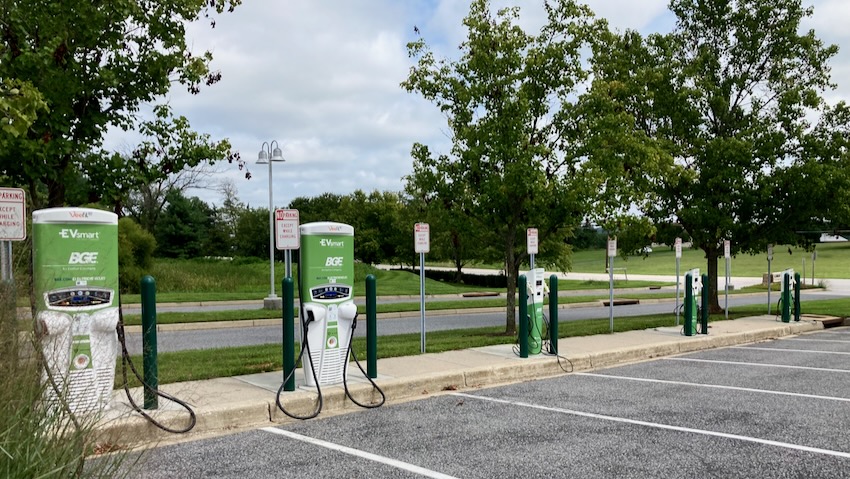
(769,409)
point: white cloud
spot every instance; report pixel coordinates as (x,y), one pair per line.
(322,78)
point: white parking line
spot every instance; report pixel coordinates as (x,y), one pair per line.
(668,427)
(790,350)
(363,454)
(741,363)
(715,386)
(820,340)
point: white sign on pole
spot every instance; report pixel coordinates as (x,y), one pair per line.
(770,252)
(678,245)
(287,232)
(727,248)
(13,211)
(421,238)
(612,247)
(532,240)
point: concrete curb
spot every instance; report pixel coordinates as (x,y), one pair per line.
(228,405)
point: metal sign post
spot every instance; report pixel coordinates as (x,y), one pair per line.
(287,234)
(769,275)
(727,250)
(814,257)
(678,247)
(612,251)
(421,244)
(531,242)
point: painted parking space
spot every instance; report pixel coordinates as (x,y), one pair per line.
(732,412)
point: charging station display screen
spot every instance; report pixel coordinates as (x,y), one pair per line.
(331,292)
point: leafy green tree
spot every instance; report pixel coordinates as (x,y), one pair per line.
(725,100)
(135,254)
(94,67)
(20,105)
(510,105)
(252,233)
(184,227)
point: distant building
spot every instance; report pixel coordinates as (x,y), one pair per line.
(827,238)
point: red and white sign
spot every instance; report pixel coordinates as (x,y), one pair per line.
(727,249)
(287,233)
(678,244)
(532,240)
(13,213)
(421,238)
(612,247)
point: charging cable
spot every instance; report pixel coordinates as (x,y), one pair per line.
(356,361)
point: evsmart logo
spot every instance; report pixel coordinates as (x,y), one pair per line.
(88,257)
(331,243)
(77,234)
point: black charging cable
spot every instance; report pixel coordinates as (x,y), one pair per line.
(305,346)
(366,375)
(125,362)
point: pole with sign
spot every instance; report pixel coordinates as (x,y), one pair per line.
(287,234)
(532,242)
(13,226)
(769,275)
(421,244)
(727,250)
(814,257)
(678,247)
(612,251)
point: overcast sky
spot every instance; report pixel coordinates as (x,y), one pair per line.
(322,79)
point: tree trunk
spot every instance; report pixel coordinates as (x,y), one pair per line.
(511,271)
(711,254)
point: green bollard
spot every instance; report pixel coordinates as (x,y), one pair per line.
(149,366)
(690,306)
(797,296)
(706,291)
(553,314)
(371,327)
(288,290)
(522,284)
(786,298)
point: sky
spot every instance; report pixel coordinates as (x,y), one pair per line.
(321,78)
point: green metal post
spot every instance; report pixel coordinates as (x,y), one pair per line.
(690,304)
(288,291)
(706,291)
(149,366)
(371,327)
(553,314)
(786,298)
(797,296)
(522,284)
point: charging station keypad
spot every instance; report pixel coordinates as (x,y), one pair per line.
(331,292)
(72,298)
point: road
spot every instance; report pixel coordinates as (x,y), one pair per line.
(168,341)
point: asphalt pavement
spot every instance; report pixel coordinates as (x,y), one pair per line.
(754,398)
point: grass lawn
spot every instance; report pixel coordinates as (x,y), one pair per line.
(224,362)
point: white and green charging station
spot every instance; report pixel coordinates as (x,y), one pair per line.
(75,280)
(537,288)
(326,290)
(786,294)
(692,291)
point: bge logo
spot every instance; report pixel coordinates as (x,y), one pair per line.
(83,258)
(333,261)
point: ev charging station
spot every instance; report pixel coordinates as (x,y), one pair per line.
(536,288)
(326,289)
(692,291)
(790,295)
(75,280)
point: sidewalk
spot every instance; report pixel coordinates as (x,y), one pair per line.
(227,405)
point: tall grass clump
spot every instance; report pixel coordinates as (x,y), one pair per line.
(37,440)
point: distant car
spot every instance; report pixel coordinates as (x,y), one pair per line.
(646,250)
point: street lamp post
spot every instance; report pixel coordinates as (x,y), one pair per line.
(269,153)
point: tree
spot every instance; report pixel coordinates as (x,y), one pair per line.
(184,227)
(509,102)
(724,98)
(94,68)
